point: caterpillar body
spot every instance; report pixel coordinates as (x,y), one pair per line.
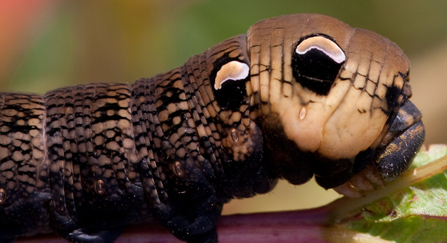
(297,96)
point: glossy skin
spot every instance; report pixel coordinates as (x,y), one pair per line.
(298,96)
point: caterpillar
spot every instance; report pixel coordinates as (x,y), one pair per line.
(297,97)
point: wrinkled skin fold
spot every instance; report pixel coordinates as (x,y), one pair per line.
(297,96)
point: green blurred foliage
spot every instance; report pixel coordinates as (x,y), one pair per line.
(120,41)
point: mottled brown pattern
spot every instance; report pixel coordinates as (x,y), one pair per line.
(86,161)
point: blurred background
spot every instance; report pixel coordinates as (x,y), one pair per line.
(46,44)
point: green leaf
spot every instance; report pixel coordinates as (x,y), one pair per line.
(410,209)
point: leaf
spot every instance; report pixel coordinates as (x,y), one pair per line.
(411,209)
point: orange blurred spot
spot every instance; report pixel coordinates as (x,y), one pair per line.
(18,17)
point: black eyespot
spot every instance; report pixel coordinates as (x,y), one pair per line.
(228,80)
(316,62)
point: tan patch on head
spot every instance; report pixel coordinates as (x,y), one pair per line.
(352,115)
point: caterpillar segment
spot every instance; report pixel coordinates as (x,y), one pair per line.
(297,96)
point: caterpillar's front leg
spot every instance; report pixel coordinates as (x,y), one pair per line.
(212,150)
(191,213)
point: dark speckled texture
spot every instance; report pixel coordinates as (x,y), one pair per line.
(86,161)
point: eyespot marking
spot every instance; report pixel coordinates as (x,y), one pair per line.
(233,70)
(323,44)
(316,63)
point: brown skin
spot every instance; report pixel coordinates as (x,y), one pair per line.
(298,96)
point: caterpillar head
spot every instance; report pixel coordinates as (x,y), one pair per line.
(329,99)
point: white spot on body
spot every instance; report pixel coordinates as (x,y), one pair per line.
(233,70)
(303,113)
(234,135)
(323,44)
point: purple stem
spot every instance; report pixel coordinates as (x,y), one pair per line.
(293,226)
